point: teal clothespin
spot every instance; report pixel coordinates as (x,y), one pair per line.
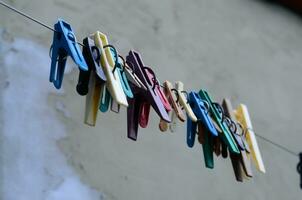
(217,116)
(105,99)
(120,69)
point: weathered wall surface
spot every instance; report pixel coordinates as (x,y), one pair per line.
(247,50)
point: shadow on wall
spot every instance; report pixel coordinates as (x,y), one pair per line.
(292,5)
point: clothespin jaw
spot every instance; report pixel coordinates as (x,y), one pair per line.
(243,117)
(141,96)
(91,55)
(64,44)
(240,162)
(217,116)
(183,101)
(113,82)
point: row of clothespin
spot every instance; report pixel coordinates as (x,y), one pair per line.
(109,80)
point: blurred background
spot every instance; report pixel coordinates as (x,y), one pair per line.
(246,50)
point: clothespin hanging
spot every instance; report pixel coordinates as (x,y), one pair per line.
(144,118)
(90,82)
(243,117)
(240,162)
(136,107)
(174,102)
(113,83)
(206,129)
(201,112)
(64,45)
(217,115)
(183,101)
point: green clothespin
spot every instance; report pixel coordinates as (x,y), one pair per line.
(226,135)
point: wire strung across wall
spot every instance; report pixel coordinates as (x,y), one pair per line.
(279,146)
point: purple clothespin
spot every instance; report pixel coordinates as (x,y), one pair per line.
(141,96)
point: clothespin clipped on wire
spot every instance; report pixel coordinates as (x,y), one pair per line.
(113,83)
(217,114)
(90,82)
(206,129)
(173,98)
(64,45)
(299,169)
(135,111)
(241,162)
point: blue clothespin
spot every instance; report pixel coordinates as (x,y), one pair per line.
(201,111)
(64,44)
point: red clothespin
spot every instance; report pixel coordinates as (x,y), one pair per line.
(139,106)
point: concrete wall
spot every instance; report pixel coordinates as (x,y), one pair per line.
(247,50)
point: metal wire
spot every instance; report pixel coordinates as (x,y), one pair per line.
(52,29)
(30,18)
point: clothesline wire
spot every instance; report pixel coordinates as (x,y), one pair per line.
(281,147)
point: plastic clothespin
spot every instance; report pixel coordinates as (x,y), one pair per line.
(144,118)
(91,55)
(200,110)
(240,162)
(113,83)
(121,69)
(218,118)
(206,129)
(243,117)
(174,101)
(105,99)
(209,145)
(90,82)
(64,44)
(141,96)
(183,101)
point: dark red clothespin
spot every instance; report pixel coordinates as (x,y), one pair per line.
(144,117)
(139,106)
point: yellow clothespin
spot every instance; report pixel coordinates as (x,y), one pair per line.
(113,82)
(179,86)
(243,117)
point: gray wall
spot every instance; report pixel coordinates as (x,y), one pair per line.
(247,50)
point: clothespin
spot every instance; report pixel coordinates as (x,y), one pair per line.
(206,129)
(202,113)
(113,83)
(217,115)
(174,102)
(183,101)
(141,97)
(207,140)
(105,99)
(299,169)
(64,45)
(144,118)
(243,117)
(115,60)
(90,82)
(240,162)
